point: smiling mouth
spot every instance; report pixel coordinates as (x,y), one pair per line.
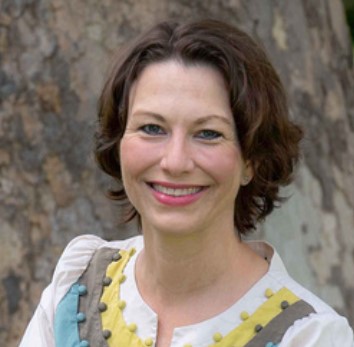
(176,192)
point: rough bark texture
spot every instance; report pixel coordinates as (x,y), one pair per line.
(54,55)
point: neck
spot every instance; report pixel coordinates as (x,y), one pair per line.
(180,267)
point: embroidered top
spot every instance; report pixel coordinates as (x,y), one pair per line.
(94,301)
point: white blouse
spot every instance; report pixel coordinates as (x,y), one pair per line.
(325,328)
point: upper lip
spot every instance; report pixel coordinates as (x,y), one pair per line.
(175,185)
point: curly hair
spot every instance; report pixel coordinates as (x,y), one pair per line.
(268,139)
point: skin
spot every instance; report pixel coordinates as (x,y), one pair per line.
(180,135)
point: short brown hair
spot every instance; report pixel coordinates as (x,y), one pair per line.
(268,139)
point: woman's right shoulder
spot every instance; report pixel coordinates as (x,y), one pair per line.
(73,262)
(80,250)
(77,256)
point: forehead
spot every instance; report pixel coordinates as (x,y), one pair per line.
(181,69)
(173,81)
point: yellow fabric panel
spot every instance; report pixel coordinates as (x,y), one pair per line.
(263,315)
(112,319)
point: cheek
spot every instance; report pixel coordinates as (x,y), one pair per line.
(225,166)
(135,157)
(129,157)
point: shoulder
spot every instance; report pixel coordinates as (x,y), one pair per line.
(75,259)
(73,262)
(281,277)
(80,250)
(324,327)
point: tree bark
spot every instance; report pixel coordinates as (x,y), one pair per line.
(54,56)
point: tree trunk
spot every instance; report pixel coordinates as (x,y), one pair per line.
(54,56)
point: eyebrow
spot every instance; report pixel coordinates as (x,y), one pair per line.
(199,121)
(157,116)
(214,116)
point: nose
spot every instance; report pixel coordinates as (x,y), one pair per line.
(177,156)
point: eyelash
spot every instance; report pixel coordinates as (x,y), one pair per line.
(214,134)
(147,129)
(156,130)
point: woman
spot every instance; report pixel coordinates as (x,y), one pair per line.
(194,128)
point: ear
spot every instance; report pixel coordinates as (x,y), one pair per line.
(247,173)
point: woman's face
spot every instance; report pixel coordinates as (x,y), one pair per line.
(181,163)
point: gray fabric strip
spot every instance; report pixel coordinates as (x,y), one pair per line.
(91,329)
(92,278)
(277,327)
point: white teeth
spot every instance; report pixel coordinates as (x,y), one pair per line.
(176,192)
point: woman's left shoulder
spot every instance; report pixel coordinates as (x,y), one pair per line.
(319,329)
(323,327)
(320,325)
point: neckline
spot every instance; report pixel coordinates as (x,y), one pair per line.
(227,319)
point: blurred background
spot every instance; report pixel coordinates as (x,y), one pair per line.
(54,57)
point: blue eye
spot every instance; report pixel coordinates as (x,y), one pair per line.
(152,129)
(209,134)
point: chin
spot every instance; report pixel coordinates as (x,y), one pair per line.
(171,226)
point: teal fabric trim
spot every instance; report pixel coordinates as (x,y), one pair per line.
(66,331)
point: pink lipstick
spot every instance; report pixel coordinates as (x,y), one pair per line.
(176,194)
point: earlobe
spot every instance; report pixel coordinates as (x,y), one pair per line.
(245,180)
(247,173)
